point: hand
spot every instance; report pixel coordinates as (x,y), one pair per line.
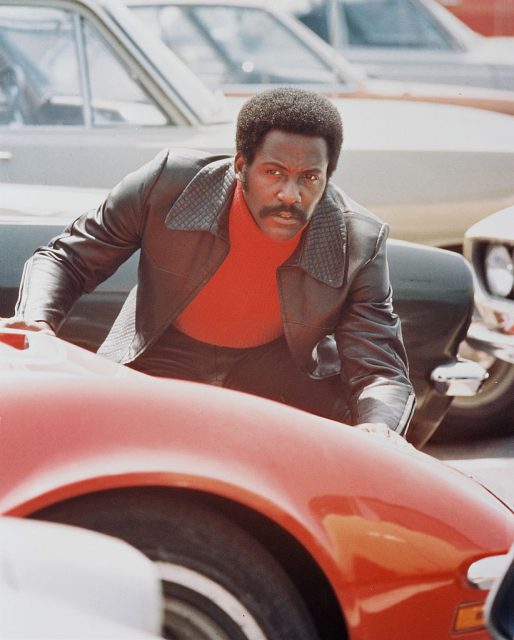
(375,427)
(381,429)
(26,325)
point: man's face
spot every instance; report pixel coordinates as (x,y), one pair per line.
(285,181)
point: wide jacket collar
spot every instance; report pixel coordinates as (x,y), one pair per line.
(205,202)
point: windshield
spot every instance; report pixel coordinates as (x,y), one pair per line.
(378,24)
(186,86)
(393,23)
(58,70)
(236,44)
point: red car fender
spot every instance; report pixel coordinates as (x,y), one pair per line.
(380,520)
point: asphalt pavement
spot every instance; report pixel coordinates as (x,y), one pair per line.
(489,461)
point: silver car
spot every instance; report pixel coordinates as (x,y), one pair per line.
(239,46)
(87,95)
(416,40)
(489,246)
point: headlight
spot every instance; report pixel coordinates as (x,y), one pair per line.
(499,270)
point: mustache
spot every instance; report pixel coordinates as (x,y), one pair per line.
(296,211)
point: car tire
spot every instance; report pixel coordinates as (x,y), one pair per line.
(218,581)
(490,413)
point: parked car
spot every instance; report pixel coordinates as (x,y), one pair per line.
(499,609)
(264,521)
(489,247)
(240,46)
(92,95)
(58,581)
(414,40)
(488,17)
(435,311)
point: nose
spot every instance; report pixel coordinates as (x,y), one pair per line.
(289,192)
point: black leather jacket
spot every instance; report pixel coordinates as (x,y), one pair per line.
(334,290)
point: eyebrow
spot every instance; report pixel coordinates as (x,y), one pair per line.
(276,163)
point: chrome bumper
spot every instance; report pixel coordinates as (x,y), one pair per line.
(483,573)
(500,345)
(461,378)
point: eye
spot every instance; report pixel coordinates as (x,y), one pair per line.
(273,172)
(311,177)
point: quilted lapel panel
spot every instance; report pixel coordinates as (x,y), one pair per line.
(323,254)
(199,205)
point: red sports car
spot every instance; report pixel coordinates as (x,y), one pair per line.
(265,522)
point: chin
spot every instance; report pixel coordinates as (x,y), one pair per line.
(281,236)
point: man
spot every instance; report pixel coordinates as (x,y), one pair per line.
(255,272)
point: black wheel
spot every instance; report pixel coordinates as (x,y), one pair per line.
(218,582)
(488,414)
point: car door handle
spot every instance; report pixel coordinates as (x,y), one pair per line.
(5,155)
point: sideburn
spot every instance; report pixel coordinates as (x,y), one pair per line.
(243,176)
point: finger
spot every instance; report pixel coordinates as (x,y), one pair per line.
(14,323)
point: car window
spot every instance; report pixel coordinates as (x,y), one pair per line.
(56,69)
(187,39)
(392,23)
(232,45)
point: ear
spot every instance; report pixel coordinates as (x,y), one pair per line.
(239,164)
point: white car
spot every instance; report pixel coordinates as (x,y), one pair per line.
(240,46)
(489,247)
(58,581)
(414,40)
(89,95)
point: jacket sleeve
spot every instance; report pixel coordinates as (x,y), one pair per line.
(88,251)
(373,358)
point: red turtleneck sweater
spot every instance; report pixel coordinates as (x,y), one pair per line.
(239,306)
